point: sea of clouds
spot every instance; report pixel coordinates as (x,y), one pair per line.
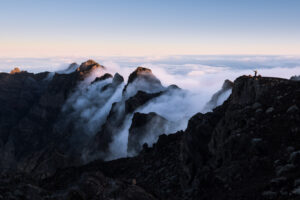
(185,71)
(199,76)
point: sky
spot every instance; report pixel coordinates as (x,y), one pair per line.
(47,28)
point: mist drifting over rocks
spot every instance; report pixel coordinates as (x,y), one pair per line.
(102,111)
(150,131)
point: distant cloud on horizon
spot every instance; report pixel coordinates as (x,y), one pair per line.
(180,62)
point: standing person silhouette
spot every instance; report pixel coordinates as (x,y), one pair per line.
(255,73)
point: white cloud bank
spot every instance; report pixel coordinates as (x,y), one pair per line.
(201,76)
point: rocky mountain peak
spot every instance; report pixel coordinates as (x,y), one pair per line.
(173,87)
(118,78)
(141,72)
(220,95)
(89,65)
(143,126)
(15,70)
(143,79)
(72,65)
(227,84)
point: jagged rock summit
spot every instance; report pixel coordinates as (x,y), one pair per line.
(143,79)
(141,72)
(118,78)
(15,70)
(89,65)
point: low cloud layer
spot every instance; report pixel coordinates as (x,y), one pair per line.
(199,77)
(89,106)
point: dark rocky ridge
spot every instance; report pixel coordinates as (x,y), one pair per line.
(88,66)
(245,144)
(247,148)
(29,137)
(143,79)
(18,92)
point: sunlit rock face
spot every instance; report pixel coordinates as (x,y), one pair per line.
(89,66)
(142,79)
(15,70)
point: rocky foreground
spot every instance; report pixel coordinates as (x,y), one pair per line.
(247,148)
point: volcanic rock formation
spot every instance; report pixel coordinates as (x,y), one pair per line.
(247,148)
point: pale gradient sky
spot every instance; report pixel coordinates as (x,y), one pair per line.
(44,28)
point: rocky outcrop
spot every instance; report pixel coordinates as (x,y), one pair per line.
(138,100)
(242,149)
(142,72)
(18,93)
(15,70)
(145,128)
(117,80)
(29,137)
(88,67)
(101,78)
(142,79)
(72,67)
(219,97)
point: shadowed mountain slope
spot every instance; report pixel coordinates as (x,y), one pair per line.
(247,148)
